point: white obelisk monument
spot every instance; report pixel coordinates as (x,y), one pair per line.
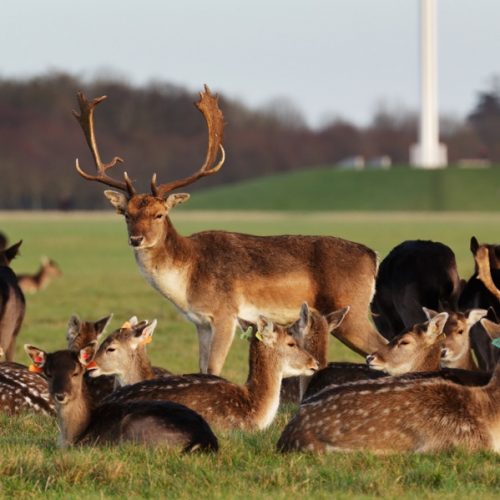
(428,153)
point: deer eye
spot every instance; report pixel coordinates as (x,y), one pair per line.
(110,349)
(460,332)
(159,216)
(291,344)
(404,342)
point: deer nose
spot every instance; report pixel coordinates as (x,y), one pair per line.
(60,397)
(136,241)
(370,358)
(444,352)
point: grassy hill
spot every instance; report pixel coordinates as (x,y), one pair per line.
(400,188)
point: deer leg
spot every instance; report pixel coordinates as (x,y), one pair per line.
(223,329)
(204,341)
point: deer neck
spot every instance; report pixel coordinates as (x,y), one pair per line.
(466,361)
(166,265)
(138,369)
(74,417)
(263,383)
(431,360)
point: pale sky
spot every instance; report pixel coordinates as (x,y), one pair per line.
(330,57)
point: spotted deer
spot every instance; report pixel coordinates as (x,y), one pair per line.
(157,423)
(215,277)
(12,302)
(31,283)
(456,351)
(311,331)
(274,354)
(398,416)
(123,354)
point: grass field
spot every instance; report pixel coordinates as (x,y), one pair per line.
(326,188)
(100,276)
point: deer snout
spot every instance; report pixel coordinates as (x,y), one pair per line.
(60,397)
(370,359)
(312,367)
(136,241)
(444,352)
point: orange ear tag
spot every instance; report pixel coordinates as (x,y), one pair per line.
(35,369)
(91,365)
(147,340)
(126,325)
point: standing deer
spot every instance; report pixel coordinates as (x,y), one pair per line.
(31,283)
(274,354)
(397,416)
(214,277)
(414,274)
(148,422)
(12,302)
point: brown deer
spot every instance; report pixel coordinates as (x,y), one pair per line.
(31,283)
(311,331)
(397,416)
(274,354)
(147,422)
(12,302)
(215,277)
(456,352)
(123,354)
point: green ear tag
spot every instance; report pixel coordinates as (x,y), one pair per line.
(259,336)
(496,343)
(246,335)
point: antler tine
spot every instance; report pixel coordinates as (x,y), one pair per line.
(86,120)
(208,105)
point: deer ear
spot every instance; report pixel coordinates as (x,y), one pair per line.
(474,315)
(73,328)
(175,199)
(301,328)
(117,199)
(429,313)
(474,245)
(336,318)
(87,354)
(265,331)
(245,325)
(492,329)
(101,325)
(436,324)
(12,252)
(38,356)
(143,334)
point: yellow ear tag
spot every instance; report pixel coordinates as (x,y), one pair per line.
(259,336)
(147,340)
(35,369)
(126,325)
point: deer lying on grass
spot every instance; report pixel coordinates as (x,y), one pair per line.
(22,390)
(215,277)
(146,422)
(397,416)
(31,283)
(123,354)
(414,274)
(311,331)
(416,353)
(12,302)
(274,354)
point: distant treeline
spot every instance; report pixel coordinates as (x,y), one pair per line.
(156,128)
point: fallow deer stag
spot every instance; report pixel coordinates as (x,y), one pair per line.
(214,277)
(12,302)
(274,354)
(31,283)
(149,422)
(397,416)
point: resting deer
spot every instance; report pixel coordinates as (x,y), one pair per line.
(397,416)
(417,353)
(123,354)
(274,354)
(147,422)
(31,283)
(12,302)
(311,331)
(215,277)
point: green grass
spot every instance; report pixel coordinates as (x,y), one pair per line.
(100,276)
(400,188)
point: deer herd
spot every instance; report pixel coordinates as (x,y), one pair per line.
(430,382)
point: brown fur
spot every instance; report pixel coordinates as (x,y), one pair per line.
(31,283)
(226,405)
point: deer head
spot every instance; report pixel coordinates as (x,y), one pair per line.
(147,214)
(81,333)
(418,349)
(64,370)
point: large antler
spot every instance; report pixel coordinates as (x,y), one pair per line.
(86,120)
(209,107)
(482,259)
